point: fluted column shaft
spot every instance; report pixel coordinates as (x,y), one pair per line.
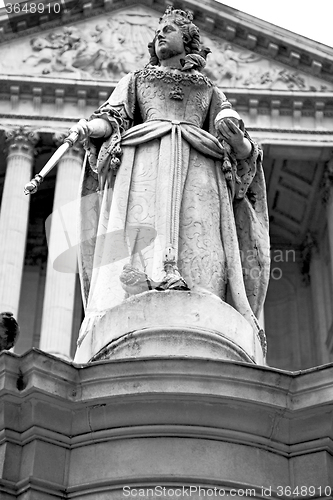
(328,198)
(318,297)
(14,215)
(324,291)
(330,229)
(329,214)
(56,331)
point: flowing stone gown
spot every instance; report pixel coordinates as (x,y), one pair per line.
(172,191)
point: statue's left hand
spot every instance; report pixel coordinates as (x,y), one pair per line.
(234,136)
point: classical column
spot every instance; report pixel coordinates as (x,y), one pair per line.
(318,297)
(312,275)
(14,214)
(328,198)
(57,319)
(328,202)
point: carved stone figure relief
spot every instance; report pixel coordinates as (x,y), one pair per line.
(231,66)
(225,63)
(107,48)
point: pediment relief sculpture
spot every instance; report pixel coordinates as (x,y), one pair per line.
(235,67)
(109,48)
(105,49)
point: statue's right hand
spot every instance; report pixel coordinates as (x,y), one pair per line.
(82,129)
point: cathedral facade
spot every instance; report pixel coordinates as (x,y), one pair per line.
(58,64)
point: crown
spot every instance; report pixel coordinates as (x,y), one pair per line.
(177,13)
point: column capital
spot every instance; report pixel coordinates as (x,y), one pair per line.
(21,139)
(58,137)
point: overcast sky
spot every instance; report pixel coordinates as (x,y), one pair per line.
(311,19)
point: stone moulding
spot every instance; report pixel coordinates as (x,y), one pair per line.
(173,341)
(294,51)
(84,432)
(169,323)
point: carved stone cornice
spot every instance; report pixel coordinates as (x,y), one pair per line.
(222,21)
(316,104)
(21,139)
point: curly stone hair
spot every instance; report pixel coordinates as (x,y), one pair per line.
(195,58)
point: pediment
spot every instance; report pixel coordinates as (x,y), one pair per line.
(106,47)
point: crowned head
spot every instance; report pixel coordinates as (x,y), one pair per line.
(190,32)
(180,15)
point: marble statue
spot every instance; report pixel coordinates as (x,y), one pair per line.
(180,186)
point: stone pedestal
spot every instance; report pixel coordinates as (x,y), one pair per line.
(94,432)
(169,323)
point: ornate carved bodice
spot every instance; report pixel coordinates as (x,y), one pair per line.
(173,95)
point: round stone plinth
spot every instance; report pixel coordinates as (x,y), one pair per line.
(169,323)
(173,341)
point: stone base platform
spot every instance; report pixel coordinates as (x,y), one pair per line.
(154,428)
(170,323)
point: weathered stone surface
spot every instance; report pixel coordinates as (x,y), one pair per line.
(171,323)
(109,46)
(86,432)
(183,207)
(14,215)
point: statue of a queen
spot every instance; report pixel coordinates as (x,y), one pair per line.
(180,184)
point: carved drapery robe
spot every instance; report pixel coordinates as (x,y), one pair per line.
(171,185)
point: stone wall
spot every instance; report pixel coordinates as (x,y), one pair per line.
(87,432)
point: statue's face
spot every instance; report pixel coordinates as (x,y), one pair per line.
(168,41)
